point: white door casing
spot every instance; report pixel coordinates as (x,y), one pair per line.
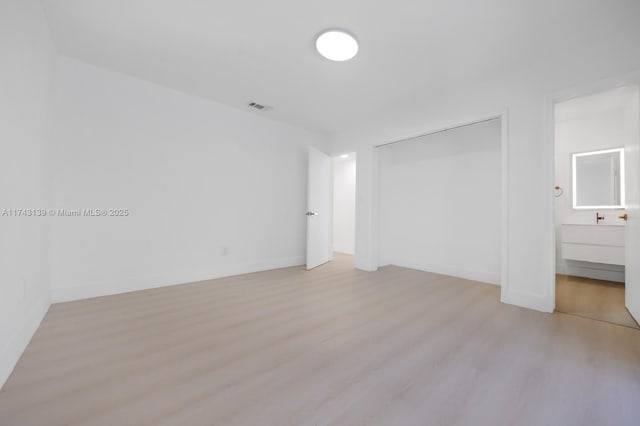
(632,229)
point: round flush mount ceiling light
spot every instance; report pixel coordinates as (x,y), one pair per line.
(337,45)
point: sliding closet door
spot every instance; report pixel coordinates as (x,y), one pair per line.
(440,202)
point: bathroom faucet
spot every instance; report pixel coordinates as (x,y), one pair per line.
(599,218)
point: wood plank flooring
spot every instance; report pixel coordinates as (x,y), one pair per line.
(328,346)
(595,299)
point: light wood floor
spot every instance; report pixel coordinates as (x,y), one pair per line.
(595,299)
(329,346)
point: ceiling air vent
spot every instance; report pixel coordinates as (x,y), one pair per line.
(257,106)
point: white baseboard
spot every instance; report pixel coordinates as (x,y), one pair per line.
(454,271)
(591,272)
(13,349)
(61,293)
(528,300)
(343,251)
(364,264)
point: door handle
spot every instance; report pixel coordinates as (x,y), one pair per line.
(623,217)
(310,213)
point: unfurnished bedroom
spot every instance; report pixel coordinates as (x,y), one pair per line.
(319,213)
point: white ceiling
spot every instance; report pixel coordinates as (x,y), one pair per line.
(239,51)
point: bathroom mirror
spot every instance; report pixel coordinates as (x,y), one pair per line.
(598,179)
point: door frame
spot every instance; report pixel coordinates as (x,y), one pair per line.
(548,143)
(503,116)
(333,206)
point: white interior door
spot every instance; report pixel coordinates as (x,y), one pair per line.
(319,208)
(632,192)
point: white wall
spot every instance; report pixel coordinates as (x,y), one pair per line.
(344,204)
(211,190)
(440,202)
(25,79)
(524,94)
(589,123)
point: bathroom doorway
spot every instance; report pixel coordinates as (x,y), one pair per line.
(595,173)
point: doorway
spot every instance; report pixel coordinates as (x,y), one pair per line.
(593,185)
(331,206)
(344,204)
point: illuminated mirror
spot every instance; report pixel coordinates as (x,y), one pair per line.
(598,179)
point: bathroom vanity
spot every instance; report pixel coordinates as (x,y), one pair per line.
(593,243)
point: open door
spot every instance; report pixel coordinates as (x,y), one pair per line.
(319,208)
(632,230)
